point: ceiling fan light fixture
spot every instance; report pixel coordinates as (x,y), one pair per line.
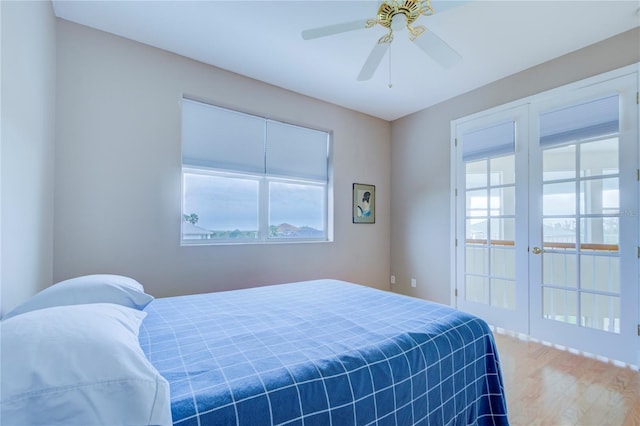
(389,9)
(398,21)
(398,14)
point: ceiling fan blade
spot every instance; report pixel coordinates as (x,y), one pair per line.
(372,62)
(333,29)
(438,49)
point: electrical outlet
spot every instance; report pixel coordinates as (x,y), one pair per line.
(393,279)
(413,282)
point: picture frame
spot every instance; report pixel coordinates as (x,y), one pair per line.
(364,203)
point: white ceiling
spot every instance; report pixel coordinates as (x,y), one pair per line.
(261,39)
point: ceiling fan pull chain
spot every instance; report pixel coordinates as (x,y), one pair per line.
(390,85)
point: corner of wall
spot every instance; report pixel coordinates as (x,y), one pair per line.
(28,64)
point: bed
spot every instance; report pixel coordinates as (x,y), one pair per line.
(98,350)
(322,352)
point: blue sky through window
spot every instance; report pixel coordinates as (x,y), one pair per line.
(222,203)
(298,205)
(226,203)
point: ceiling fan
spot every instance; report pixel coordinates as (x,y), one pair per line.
(394,15)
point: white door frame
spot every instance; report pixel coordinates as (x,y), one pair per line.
(633,214)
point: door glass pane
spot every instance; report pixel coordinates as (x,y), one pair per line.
(600,233)
(599,158)
(559,163)
(559,270)
(600,273)
(503,262)
(503,170)
(477,289)
(559,198)
(559,232)
(503,201)
(476,174)
(600,312)
(477,203)
(503,293)
(503,230)
(476,260)
(476,230)
(560,305)
(600,196)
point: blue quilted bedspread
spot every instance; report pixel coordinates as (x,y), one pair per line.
(323,353)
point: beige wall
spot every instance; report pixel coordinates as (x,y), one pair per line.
(421,213)
(117,203)
(117,174)
(27,149)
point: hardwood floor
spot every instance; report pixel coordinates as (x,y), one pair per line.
(548,386)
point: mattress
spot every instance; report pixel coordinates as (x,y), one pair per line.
(323,352)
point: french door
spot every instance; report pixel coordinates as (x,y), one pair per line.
(492,217)
(584,233)
(547,223)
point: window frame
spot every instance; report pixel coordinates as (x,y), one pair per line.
(263,202)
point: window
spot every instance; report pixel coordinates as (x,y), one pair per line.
(581,149)
(250,179)
(488,158)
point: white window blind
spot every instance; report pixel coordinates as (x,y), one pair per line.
(293,151)
(586,120)
(490,141)
(221,139)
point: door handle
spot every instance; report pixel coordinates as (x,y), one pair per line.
(537,250)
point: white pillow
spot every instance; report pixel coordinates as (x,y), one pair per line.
(99,288)
(79,364)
